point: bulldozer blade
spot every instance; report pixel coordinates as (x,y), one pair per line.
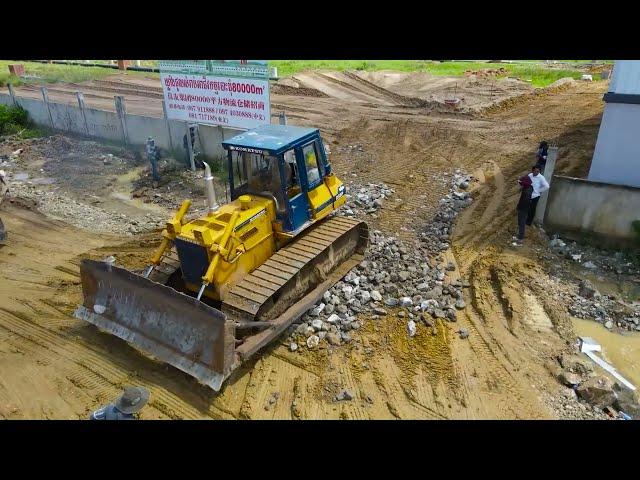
(169,325)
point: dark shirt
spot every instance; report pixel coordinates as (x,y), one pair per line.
(525,199)
(110,412)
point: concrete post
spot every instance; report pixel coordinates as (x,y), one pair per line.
(552,156)
(80,98)
(13,94)
(45,98)
(283,118)
(190,148)
(167,123)
(121,110)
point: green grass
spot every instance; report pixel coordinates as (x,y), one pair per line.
(15,120)
(51,73)
(532,71)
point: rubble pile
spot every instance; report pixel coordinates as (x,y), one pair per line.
(585,301)
(588,303)
(366,199)
(63,207)
(410,281)
(594,259)
(437,233)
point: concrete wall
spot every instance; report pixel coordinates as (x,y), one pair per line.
(102,124)
(582,209)
(616,158)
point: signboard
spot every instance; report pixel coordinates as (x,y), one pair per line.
(231,93)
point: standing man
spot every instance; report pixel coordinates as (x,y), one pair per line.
(153,156)
(3,191)
(541,155)
(523,208)
(540,185)
(124,408)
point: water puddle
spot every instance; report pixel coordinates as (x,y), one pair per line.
(621,351)
(124,187)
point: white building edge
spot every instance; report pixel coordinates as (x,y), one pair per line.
(616,158)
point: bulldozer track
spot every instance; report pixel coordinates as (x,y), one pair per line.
(249,297)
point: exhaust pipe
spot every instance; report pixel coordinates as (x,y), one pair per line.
(208,185)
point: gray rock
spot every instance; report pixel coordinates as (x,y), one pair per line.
(438,313)
(333,338)
(317,324)
(569,379)
(333,318)
(403,276)
(365,296)
(293,346)
(590,265)
(406,302)
(411,328)
(390,302)
(464,333)
(316,311)
(451,315)
(597,391)
(313,341)
(344,395)
(327,297)
(587,290)
(375,296)
(608,324)
(328,309)
(460,304)
(433,294)
(379,311)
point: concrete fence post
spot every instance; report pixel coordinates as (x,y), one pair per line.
(167,123)
(121,110)
(13,94)
(282,118)
(552,156)
(45,98)
(80,98)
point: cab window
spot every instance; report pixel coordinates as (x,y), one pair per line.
(291,176)
(312,163)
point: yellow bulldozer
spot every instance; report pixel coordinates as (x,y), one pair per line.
(221,287)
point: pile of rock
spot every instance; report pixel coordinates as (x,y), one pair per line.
(594,259)
(598,392)
(365,199)
(588,303)
(392,277)
(437,233)
(60,206)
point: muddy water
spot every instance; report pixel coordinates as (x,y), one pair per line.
(621,351)
(122,194)
(627,290)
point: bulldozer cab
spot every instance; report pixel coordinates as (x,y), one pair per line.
(282,162)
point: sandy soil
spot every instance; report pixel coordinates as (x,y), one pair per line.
(54,366)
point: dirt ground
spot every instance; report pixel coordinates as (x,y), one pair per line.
(54,366)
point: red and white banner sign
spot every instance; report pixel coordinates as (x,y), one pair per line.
(231,102)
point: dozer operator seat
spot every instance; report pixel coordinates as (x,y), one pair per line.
(288,164)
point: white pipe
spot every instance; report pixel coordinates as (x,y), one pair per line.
(208,185)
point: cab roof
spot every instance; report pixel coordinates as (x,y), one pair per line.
(273,138)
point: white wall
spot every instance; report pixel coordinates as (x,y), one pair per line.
(616,158)
(625,78)
(580,208)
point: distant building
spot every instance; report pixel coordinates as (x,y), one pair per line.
(616,158)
